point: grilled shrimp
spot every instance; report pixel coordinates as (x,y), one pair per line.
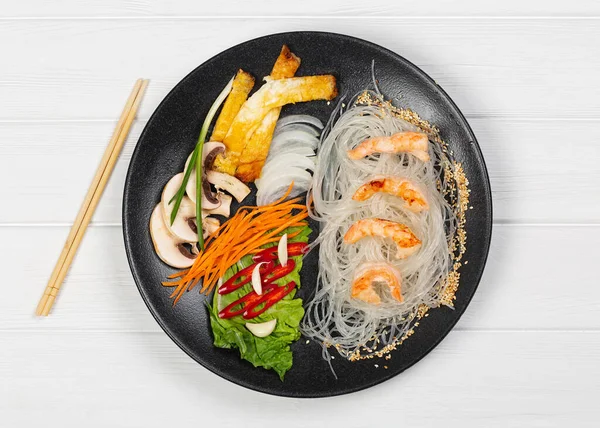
(415,143)
(405,240)
(371,273)
(401,187)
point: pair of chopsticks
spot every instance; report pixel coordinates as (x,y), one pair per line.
(107,164)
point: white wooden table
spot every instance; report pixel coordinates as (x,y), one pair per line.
(525,73)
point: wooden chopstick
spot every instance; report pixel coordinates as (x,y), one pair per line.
(92,198)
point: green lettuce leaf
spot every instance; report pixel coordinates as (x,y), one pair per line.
(271,352)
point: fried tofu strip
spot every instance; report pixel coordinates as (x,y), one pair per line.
(273,94)
(242,85)
(255,152)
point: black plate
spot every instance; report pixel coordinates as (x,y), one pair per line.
(170,136)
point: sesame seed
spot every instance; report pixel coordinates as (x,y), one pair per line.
(376,366)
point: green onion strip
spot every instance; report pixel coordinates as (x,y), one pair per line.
(193,163)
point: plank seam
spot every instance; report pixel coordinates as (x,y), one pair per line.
(332,16)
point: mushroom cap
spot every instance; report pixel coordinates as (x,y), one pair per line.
(190,187)
(187,210)
(169,248)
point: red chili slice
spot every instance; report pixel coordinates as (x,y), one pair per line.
(294,249)
(245,302)
(269,299)
(244,276)
(279,272)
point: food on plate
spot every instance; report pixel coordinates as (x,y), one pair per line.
(224,208)
(171,250)
(369,275)
(262,336)
(186,219)
(273,94)
(184,225)
(395,186)
(405,239)
(291,159)
(243,234)
(255,152)
(210,200)
(197,166)
(242,85)
(228,183)
(254,258)
(390,201)
(262,329)
(387,193)
(415,143)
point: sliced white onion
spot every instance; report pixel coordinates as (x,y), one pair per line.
(262,329)
(285,177)
(299,150)
(256,279)
(279,164)
(306,150)
(277,190)
(300,127)
(282,252)
(299,118)
(294,137)
(276,178)
(290,156)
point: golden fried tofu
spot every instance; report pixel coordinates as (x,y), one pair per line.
(256,150)
(273,94)
(242,85)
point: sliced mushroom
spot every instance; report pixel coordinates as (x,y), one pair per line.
(187,210)
(225,207)
(169,248)
(229,183)
(209,152)
(210,225)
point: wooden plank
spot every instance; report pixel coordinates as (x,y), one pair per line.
(472,379)
(318,9)
(533,178)
(529,283)
(83,69)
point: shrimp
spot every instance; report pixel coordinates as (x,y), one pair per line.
(401,187)
(415,143)
(405,240)
(371,273)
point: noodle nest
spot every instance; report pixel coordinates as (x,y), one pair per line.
(429,277)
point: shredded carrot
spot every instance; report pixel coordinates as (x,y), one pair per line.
(245,233)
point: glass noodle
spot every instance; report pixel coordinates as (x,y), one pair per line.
(332,316)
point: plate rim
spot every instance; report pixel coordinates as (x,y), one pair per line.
(487,193)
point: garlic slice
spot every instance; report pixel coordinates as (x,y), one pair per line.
(282,252)
(256,279)
(262,329)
